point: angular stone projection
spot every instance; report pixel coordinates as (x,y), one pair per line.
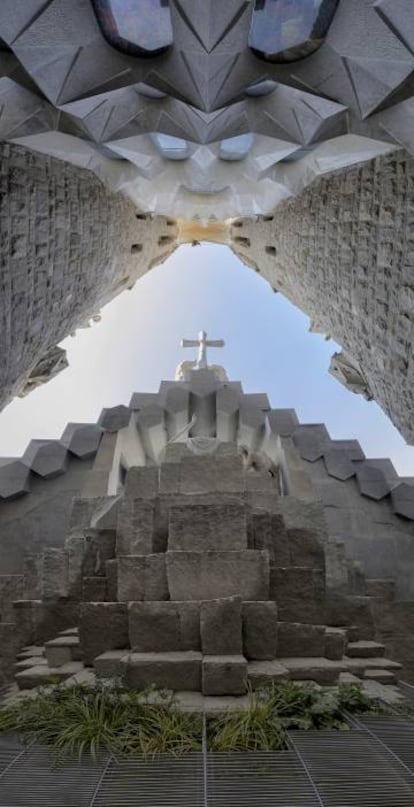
(136,27)
(286,30)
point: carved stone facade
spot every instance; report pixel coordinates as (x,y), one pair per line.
(343,252)
(67,247)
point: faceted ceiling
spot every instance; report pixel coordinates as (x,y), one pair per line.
(205,108)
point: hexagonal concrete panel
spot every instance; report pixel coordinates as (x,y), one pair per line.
(14,478)
(402,498)
(46,457)
(82,439)
(114,418)
(338,464)
(372,482)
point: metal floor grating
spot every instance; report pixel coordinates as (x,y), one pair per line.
(368,766)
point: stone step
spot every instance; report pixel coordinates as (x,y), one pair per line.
(31,650)
(365,649)
(386,693)
(109,664)
(358,666)
(320,670)
(41,675)
(348,678)
(164,670)
(30,661)
(63,650)
(381,676)
(260,673)
(335,643)
(224,675)
(70,632)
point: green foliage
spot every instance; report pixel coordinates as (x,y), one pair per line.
(86,718)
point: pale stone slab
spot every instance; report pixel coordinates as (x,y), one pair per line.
(164,670)
(221,626)
(41,675)
(142,577)
(204,527)
(224,675)
(365,649)
(164,626)
(381,676)
(212,575)
(260,630)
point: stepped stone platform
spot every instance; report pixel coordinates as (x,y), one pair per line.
(204,593)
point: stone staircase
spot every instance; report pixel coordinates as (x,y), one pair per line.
(204,592)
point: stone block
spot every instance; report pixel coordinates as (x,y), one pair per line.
(32,573)
(381,676)
(105,517)
(9,643)
(305,548)
(47,458)
(335,643)
(210,474)
(320,670)
(99,547)
(108,665)
(43,674)
(269,532)
(221,626)
(202,527)
(55,577)
(11,588)
(212,575)
(355,612)
(365,649)
(94,589)
(111,569)
(62,650)
(164,626)
(299,593)
(135,527)
(170,478)
(103,626)
(299,640)
(260,673)
(142,577)
(176,671)
(224,675)
(259,630)
(14,478)
(142,483)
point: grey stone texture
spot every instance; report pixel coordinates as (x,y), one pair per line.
(65,252)
(164,626)
(108,665)
(99,548)
(224,675)
(103,626)
(141,577)
(211,575)
(260,630)
(207,527)
(300,640)
(55,578)
(176,671)
(221,626)
(135,527)
(343,253)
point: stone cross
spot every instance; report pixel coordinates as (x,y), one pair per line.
(202,343)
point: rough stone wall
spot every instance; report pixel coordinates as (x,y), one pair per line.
(67,247)
(343,252)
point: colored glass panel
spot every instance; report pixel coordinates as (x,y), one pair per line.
(173,148)
(286,30)
(136,27)
(236,148)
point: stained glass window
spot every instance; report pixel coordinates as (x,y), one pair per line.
(286,30)
(173,148)
(137,27)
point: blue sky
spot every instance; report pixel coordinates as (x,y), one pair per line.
(137,344)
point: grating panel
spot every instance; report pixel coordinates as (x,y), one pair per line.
(349,769)
(396,734)
(31,782)
(161,781)
(258,779)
